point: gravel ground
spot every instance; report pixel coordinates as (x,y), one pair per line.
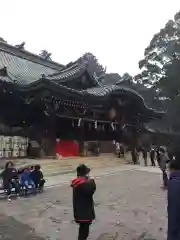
(128,205)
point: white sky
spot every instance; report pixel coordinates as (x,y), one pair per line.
(116,31)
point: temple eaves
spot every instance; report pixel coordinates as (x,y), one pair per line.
(29,72)
(21,53)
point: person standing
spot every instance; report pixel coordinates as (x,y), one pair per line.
(144,153)
(138,154)
(174,200)
(158,155)
(83,204)
(118,154)
(134,155)
(163,160)
(121,150)
(152,156)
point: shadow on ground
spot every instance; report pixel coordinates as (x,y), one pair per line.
(11,229)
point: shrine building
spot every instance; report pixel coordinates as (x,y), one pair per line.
(42,101)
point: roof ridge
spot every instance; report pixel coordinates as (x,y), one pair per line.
(24,54)
(66,69)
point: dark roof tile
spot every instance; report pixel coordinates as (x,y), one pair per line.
(68,73)
(31,75)
(23,70)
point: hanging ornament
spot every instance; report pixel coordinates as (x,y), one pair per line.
(46,113)
(95,124)
(123,126)
(112,125)
(79,122)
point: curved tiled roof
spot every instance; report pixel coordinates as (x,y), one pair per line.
(28,76)
(95,96)
(73,71)
(101,91)
(22,70)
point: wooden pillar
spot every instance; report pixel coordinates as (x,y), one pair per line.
(52,135)
(81,140)
(51,120)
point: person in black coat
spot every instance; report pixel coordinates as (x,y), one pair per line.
(37,177)
(152,156)
(158,155)
(163,160)
(83,203)
(10,179)
(134,155)
(144,153)
(174,200)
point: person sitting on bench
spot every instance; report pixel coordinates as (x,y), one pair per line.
(25,179)
(37,177)
(32,168)
(10,179)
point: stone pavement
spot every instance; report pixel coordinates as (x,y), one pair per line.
(54,167)
(52,181)
(11,229)
(129,204)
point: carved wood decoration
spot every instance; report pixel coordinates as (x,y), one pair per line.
(28,101)
(56,105)
(79,112)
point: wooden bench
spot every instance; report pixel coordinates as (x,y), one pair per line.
(23,191)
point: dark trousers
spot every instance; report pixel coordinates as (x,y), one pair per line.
(13,184)
(145,161)
(39,184)
(165,178)
(152,161)
(83,230)
(134,159)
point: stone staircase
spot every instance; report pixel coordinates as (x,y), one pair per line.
(54,167)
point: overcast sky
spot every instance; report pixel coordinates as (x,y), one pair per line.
(116,31)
